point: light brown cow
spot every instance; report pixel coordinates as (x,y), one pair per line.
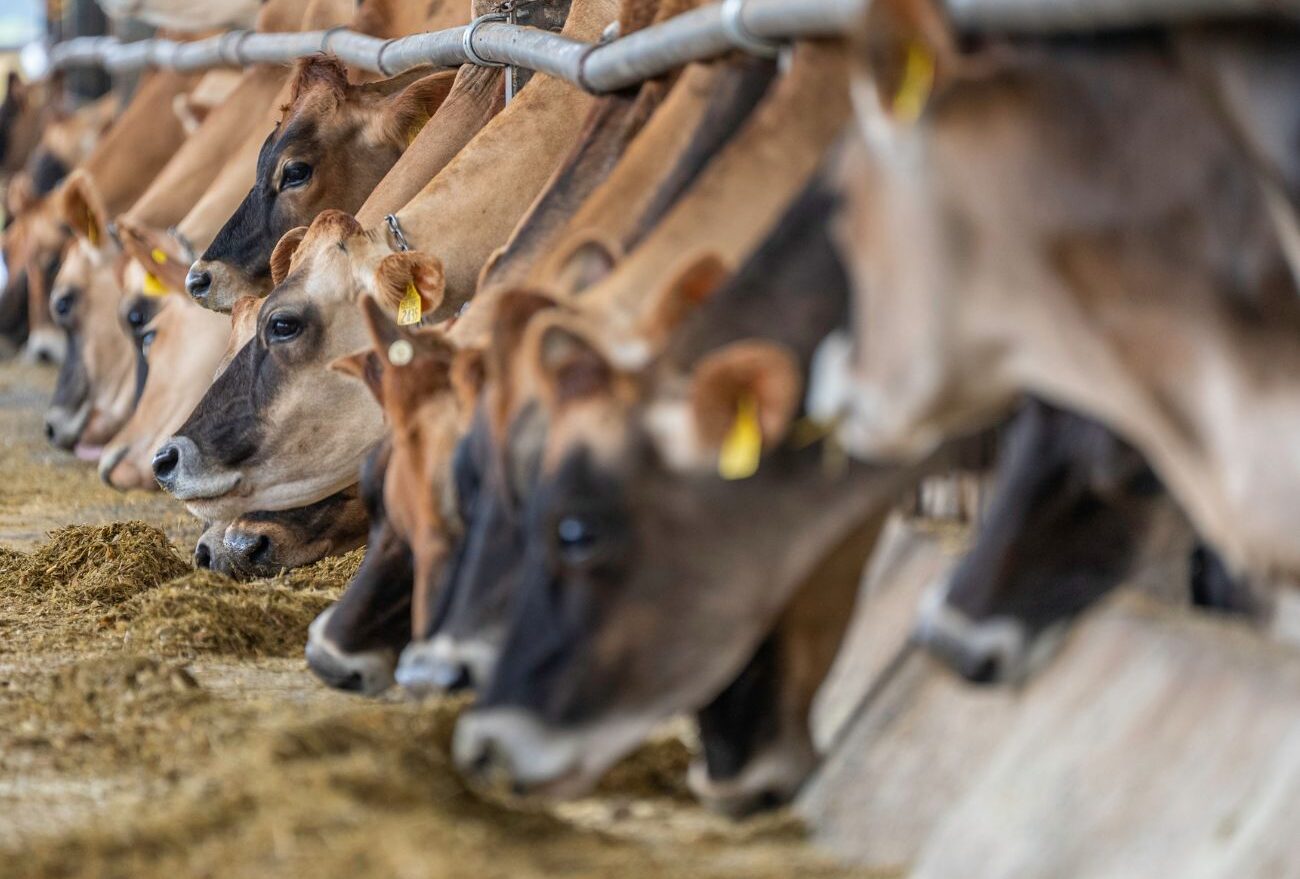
(183,344)
(96,386)
(1083,225)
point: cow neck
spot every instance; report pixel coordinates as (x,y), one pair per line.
(742,193)
(614,121)
(201,158)
(140,143)
(470,208)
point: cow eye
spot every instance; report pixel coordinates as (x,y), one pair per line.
(294,174)
(283,327)
(577,539)
(63,305)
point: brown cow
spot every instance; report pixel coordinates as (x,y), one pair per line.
(265,544)
(638,553)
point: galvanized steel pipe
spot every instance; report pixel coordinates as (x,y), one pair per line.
(620,63)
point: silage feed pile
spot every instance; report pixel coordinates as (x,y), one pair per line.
(126,583)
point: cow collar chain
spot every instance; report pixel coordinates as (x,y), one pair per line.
(395,229)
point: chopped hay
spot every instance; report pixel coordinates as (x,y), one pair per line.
(90,566)
(370,792)
(208,613)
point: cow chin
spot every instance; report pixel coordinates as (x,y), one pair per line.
(230,494)
(769,780)
(511,747)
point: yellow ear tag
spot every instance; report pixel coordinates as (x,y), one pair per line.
(153,286)
(159,257)
(918,81)
(743,445)
(410,309)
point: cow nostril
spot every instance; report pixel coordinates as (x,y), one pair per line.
(198,283)
(49,432)
(984,670)
(258,549)
(451,677)
(203,557)
(165,461)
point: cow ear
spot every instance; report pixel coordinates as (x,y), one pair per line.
(468,375)
(569,366)
(282,256)
(155,250)
(743,398)
(405,113)
(698,278)
(366,366)
(908,47)
(410,285)
(323,73)
(83,209)
(587,261)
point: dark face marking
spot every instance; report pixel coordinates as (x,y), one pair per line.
(46,171)
(375,609)
(1068,514)
(485,567)
(228,425)
(282,197)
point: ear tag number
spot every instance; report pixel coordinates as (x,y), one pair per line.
(743,445)
(918,82)
(410,309)
(153,286)
(159,257)
(400,352)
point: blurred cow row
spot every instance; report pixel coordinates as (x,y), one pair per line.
(620,391)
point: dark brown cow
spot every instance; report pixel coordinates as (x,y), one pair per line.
(637,553)
(1074,513)
(265,544)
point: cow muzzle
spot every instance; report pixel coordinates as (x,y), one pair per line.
(63,426)
(178,467)
(443,665)
(366,672)
(996,650)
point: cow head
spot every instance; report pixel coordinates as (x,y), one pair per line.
(182,345)
(354,644)
(649,581)
(1071,509)
(96,385)
(333,144)
(262,544)
(278,429)
(492,471)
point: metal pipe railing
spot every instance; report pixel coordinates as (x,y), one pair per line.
(703,32)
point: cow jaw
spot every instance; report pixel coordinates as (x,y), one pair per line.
(506,744)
